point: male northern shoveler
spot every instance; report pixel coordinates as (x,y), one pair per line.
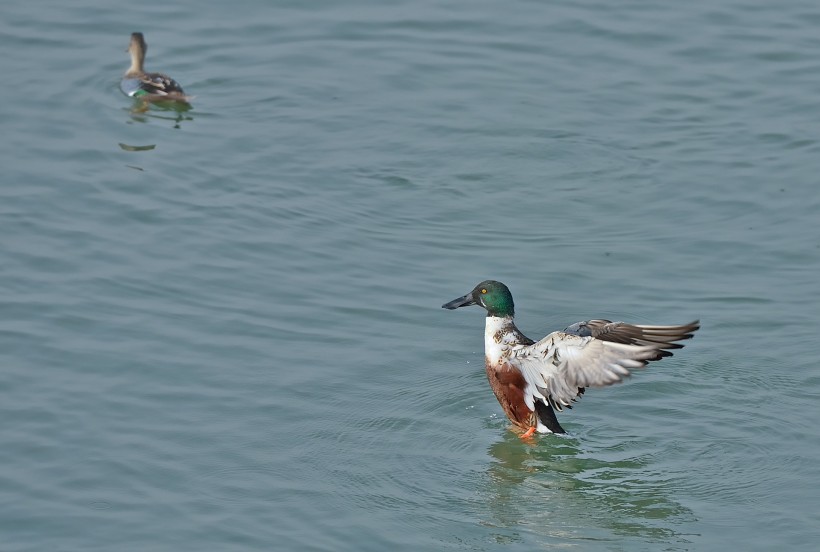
(530,378)
(148,86)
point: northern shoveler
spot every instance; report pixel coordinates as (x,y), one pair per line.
(530,378)
(148,86)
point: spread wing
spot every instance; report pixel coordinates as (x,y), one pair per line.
(595,353)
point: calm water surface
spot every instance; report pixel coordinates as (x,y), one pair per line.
(222,329)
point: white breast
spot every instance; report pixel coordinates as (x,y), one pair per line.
(494,350)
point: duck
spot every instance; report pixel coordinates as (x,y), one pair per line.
(148,86)
(534,379)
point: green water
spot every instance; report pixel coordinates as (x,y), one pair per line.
(222,329)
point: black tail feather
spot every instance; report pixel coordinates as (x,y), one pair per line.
(546,414)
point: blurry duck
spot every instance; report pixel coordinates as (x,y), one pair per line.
(533,379)
(148,86)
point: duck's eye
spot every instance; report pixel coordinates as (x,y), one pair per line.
(483,291)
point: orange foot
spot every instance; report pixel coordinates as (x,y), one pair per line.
(527,434)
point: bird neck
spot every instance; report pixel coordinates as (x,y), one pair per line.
(137,61)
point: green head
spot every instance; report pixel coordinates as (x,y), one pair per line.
(493,296)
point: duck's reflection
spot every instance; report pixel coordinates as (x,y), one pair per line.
(558,491)
(175,111)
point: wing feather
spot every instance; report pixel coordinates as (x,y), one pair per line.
(595,353)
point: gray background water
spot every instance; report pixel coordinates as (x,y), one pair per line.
(234,340)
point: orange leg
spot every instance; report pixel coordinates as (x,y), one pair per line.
(527,434)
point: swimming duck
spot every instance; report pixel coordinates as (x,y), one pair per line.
(148,86)
(533,379)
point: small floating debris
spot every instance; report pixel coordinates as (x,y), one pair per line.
(127,147)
